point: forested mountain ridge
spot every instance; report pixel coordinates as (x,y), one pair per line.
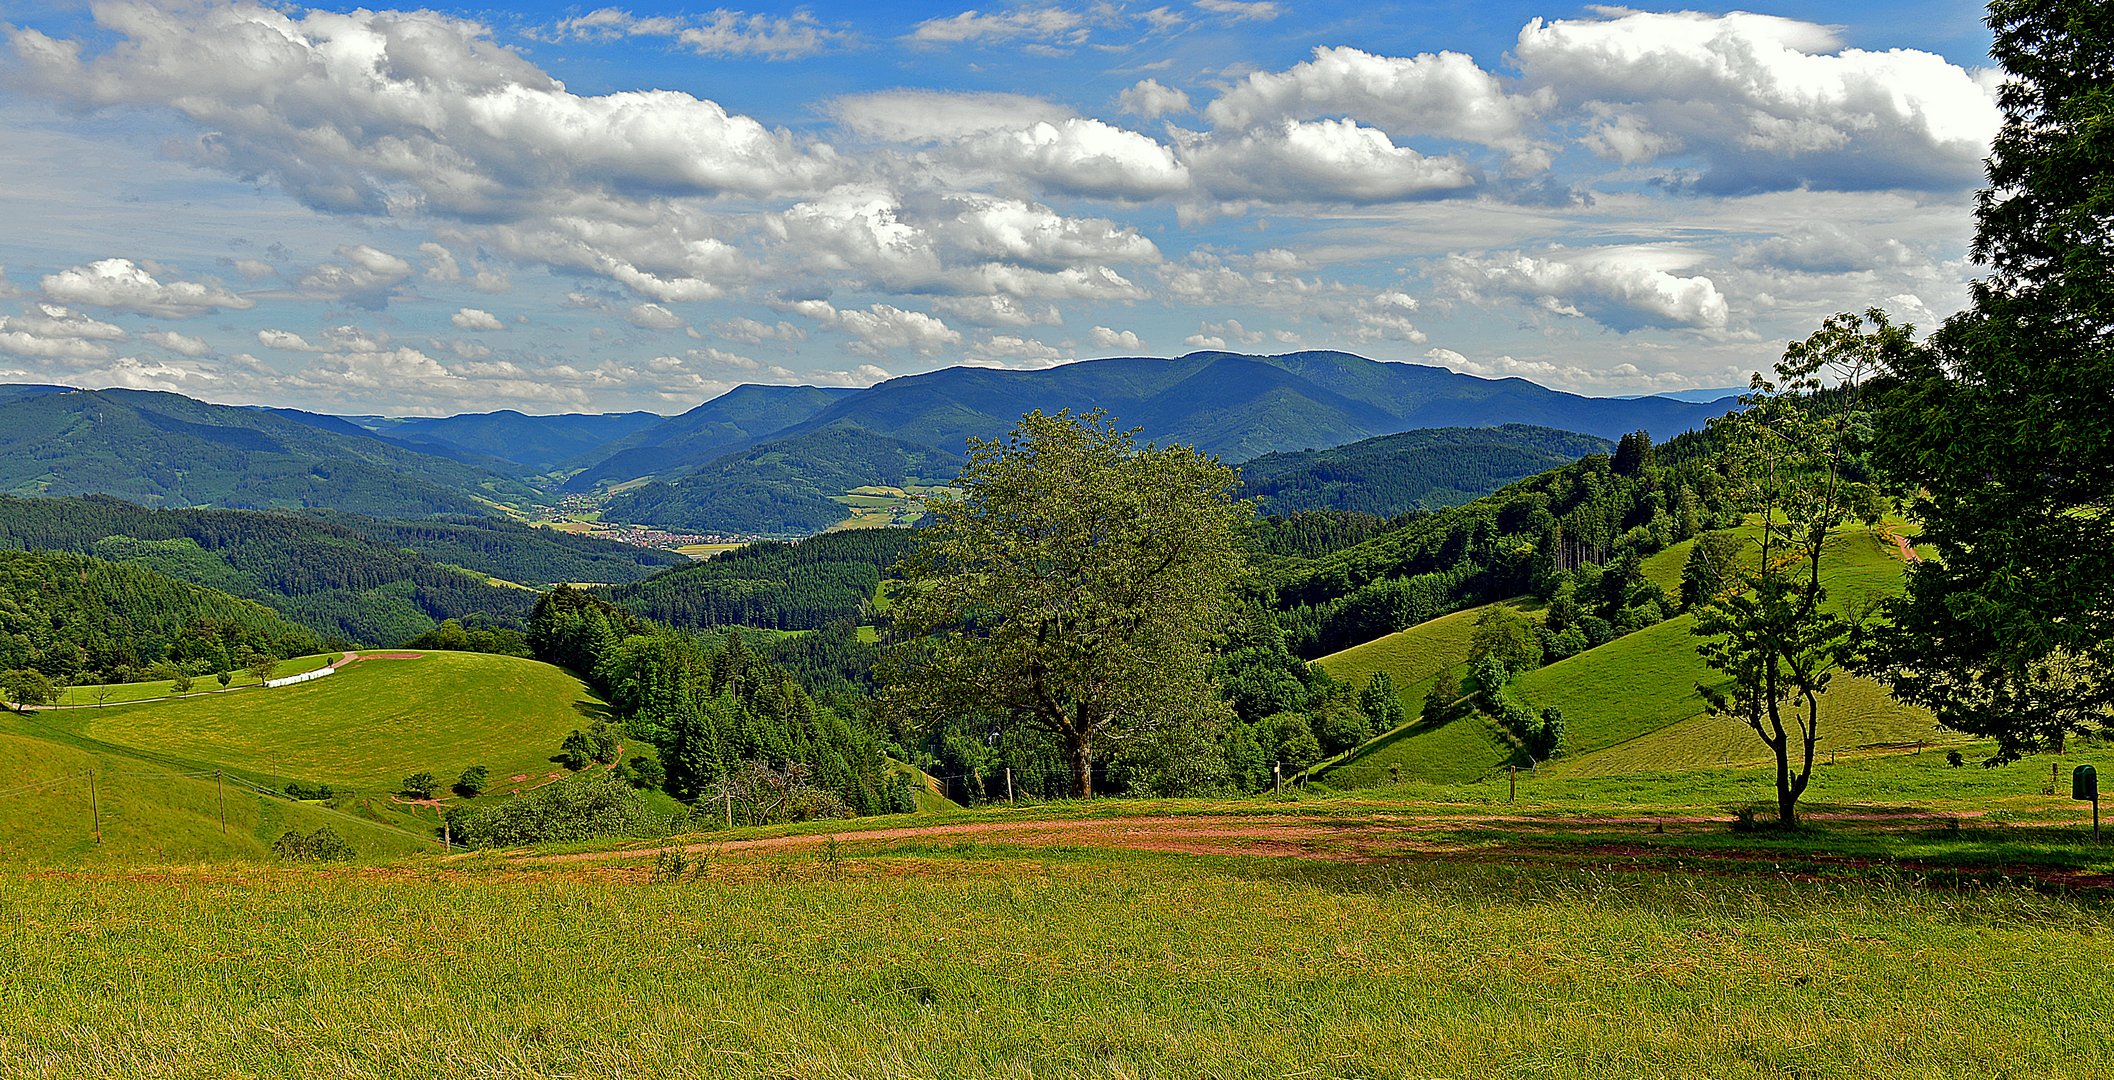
(732,421)
(716,473)
(1413,470)
(536,444)
(165,449)
(350,579)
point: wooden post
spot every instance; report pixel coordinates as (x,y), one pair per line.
(1009,783)
(1512,778)
(95,808)
(447,836)
(220,788)
(1277,771)
(730,809)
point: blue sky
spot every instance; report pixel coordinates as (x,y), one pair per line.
(567,208)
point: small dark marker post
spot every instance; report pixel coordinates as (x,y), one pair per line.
(220,788)
(1512,777)
(2084,784)
(95,809)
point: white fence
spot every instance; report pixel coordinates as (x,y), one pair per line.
(301,678)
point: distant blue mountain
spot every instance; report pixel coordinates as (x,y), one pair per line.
(1228,404)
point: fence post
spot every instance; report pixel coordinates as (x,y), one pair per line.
(220,789)
(1009,783)
(95,809)
(1512,778)
(1277,771)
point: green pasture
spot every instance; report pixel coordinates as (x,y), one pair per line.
(94,695)
(369,725)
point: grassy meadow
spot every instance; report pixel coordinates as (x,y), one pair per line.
(103,695)
(366,727)
(952,958)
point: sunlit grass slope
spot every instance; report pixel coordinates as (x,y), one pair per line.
(369,725)
(149,812)
(1628,705)
(102,696)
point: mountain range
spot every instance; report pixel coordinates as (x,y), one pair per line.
(763,460)
(915,429)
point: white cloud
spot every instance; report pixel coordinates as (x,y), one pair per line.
(653,317)
(1323,161)
(1080,156)
(284,339)
(1763,102)
(1121,340)
(1624,290)
(721,33)
(52,332)
(1151,100)
(181,344)
(1242,10)
(418,115)
(883,327)
(476,319)
(919,116)
(365,276)
(752,332)
(1034,235)
(1050,24)
(998,310)
(1437,94)
(122,285)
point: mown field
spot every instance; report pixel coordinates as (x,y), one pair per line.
(367,727)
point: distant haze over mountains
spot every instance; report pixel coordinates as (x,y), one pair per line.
(765,459)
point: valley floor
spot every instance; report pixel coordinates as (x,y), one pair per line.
(1579,932)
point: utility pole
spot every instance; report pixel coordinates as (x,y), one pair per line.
(95,808)
(1009,784)
(220,788)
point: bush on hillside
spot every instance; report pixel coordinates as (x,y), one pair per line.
(473,781)
(590,808)
(421,785)
(322,845)
(304,791)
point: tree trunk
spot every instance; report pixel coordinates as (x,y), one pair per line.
(1082,754)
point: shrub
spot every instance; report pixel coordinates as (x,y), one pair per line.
(307,792)
(576,752)
(421,785)
(473,781)
(589,808)
(645,771)
(322,845)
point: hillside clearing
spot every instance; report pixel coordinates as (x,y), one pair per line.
(368,726)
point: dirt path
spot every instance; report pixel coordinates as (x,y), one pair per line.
(1335,839)
(1902,547)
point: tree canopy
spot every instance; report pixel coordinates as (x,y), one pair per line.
(1075,586)
(2003,422)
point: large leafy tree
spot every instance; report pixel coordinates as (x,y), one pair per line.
(1793,456)
(2006,421)
(1075,586)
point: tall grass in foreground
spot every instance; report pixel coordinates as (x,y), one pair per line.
(958,961)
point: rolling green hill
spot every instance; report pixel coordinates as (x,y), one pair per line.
(1630,705)
(532,444)
(367,727)
(789,487)
(165,449)
(149,813)
(779,586)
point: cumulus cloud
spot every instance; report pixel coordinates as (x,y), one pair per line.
(1433,94)
(122,285)
(1121,340)
(653,317)
(1034,235)
(1324,161)
(723,33)
(1151,100)
(363,276)
(476,319)
(1079,156)
(924,116)
(1763,102)
(883,327)
(284,339)
(1622,290)
(389,112)
(53,332)
(754,332)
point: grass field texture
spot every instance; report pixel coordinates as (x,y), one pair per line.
(953,960)
(368,726)
(103,695)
